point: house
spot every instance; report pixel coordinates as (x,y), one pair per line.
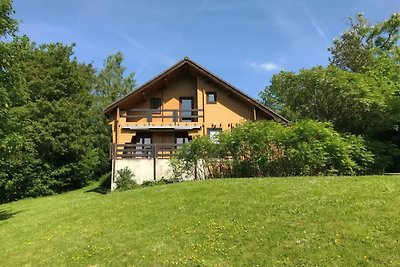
(183,102)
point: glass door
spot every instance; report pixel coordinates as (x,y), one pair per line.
(186,106)
(144,139)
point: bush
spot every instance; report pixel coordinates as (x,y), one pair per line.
(197,159)
(124,180)
(267,148)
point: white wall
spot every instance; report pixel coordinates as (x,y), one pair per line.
(143,170)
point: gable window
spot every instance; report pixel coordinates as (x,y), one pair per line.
(211,97)
(213,134)
(155,103)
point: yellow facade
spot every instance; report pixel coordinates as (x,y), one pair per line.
(132,116)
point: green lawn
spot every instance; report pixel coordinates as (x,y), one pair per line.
(233,222)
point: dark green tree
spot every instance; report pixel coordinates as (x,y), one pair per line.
(56,132)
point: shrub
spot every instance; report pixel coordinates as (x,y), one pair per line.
(196,159)
(268,148)
(124,180)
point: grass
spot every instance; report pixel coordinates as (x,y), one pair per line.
(233,222)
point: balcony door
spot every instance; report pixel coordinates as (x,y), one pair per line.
(144,139)
(186,106)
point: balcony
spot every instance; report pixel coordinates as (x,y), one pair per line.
(162,116)
(132,151)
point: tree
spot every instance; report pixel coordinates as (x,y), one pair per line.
(111,83)
(360,46)
(359,92)
(56,149)
(53,133)
(8,25)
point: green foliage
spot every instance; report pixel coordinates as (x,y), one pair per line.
(190,159)
(359,47)
(8,25)
(50,145)
(124,180)
(111,83)
(359,92)
(54,136)
(353,102)
(256,149)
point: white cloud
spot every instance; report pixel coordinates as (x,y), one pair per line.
(269,66)
(266,66)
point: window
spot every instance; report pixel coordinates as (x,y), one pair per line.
(211,97)
(155,103)
(213,134)
(182,138)
(186,106)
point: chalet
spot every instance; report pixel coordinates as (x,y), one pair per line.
(183,102)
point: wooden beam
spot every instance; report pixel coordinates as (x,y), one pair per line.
(254,113)
(117,126)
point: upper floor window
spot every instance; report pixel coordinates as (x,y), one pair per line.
(211,97)
(186,106)
(155,103)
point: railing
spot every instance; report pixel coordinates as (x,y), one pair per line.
(177,115)
(120,151)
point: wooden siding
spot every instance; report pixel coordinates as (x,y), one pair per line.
(227,112)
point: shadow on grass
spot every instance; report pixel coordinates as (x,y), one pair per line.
(5,214)
(99,190)
(104,186)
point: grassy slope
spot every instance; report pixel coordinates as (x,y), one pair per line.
(291,221)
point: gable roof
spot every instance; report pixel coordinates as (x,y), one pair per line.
(205,73)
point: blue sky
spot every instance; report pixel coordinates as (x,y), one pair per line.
(243,42)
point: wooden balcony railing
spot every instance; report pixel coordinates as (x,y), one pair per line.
(121,151)
(166,115)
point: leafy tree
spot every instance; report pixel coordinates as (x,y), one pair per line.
(353,102)
(111,83)
(8,25)
(53,134)
(56,149)
(359,92)
(361,45)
